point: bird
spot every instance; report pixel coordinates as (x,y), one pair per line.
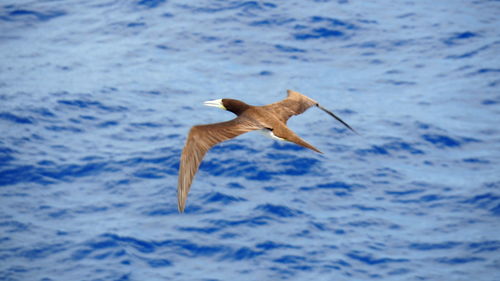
(270,119)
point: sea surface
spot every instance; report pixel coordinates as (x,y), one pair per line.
(97,97)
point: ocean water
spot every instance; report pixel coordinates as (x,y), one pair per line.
(97,97)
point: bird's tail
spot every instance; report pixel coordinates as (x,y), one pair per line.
(303,143)
(289,135)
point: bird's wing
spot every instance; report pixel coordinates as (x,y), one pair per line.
(295,104)
(200,139)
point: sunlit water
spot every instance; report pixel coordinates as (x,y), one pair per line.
(96,99)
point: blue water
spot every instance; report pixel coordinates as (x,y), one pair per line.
(97,97)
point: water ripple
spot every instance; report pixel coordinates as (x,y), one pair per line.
(29,15)
(369,259)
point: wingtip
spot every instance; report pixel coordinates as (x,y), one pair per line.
(180,209)
(337,118)
(181,204)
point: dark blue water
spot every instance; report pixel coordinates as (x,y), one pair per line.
(96,99)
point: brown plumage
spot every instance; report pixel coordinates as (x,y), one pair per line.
(272,118)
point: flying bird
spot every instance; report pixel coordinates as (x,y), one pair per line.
(270,119)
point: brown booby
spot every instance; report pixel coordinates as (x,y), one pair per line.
(270,119)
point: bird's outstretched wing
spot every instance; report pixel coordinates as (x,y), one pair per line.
(200,139)
(295,104)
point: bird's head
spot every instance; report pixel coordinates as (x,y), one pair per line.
(235,106)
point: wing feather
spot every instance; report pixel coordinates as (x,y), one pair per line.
(200,139)
(295,104)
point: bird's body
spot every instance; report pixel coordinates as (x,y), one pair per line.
(270,119)
(268,133)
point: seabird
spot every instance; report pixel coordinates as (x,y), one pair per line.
(270,119)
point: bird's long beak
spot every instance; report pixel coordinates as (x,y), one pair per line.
(215,103)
